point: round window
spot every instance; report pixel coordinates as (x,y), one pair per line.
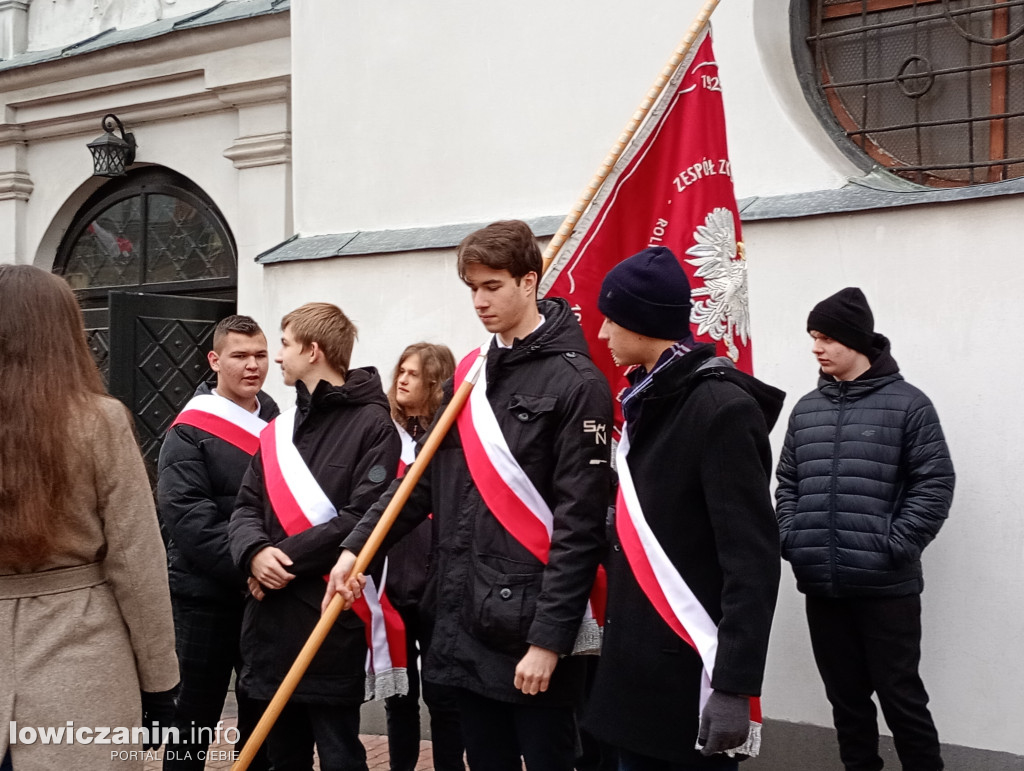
(932,90)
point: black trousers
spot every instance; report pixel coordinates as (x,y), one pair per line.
(403,712)
(501,736)
(873,645)
(334,731)
(206,639)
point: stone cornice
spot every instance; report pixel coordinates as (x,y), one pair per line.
(13,5)
(257,92)
(262,150)
(16,185)
(134,115)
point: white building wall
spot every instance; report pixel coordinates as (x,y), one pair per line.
(411,114)
(943,281)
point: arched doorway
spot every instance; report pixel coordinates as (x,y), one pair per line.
(154,266)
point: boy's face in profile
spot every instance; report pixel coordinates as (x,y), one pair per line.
(293,357)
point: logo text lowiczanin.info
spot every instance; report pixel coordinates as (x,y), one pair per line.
(154,733)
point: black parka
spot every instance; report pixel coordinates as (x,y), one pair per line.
(865,483)
(345,435)
(198,479)
(494,598)
(701,462)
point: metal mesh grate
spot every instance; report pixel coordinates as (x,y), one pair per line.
(931,89)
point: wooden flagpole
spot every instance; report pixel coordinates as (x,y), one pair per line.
(366,555)
(569,223)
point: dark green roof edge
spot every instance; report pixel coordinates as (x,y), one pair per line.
(223,12)
(877,190)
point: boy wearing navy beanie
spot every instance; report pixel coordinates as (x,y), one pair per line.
(693,466)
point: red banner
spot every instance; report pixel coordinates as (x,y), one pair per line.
(672,187)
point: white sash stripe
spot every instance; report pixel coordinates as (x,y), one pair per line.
(408,445)
(501,457)
(226,409)
(300,481)
(684,604)
(379,658)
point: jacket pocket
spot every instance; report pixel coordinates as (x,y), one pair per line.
(527,408)
(502,607)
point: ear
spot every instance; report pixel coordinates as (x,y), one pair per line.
(529,281)
(315,353)
(214,361)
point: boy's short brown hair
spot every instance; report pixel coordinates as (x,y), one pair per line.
(242,325)
(505,245)
(327,326)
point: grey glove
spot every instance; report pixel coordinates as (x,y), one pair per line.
(724,723)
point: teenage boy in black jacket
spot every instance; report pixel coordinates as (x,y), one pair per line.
(865,483)
(508,614)
(693,572)
(287,529)
(202,461)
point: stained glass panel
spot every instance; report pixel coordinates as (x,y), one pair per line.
(106,253)
(183,244)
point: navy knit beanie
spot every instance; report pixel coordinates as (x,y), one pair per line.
(846,317)
(649,294)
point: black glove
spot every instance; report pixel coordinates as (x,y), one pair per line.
(724,723)
(157,707)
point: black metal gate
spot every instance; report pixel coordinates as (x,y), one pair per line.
(158,347)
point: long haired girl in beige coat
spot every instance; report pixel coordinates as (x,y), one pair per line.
(85,617)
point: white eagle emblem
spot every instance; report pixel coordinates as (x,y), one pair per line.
(725,314)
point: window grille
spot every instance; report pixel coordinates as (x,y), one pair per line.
(933,90)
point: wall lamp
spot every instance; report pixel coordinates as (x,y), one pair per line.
(112,154)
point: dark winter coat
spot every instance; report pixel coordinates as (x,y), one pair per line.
(198,480)
(494,598)
(865,483)
(410,561)
(345,435)
(701,462)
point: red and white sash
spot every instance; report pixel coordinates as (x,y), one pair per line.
(408,450)
(668,591)
(510,494)
(300,503)
(224,419)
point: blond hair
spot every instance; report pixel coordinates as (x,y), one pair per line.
(327,326)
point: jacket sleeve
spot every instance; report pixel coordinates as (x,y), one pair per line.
(247,533)
(416,508)
(135,563)
(582,484)
(315,550)
(188,510)
(786,491)
(734,474)
(929,481)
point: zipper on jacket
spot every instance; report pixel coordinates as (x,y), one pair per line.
(832,497)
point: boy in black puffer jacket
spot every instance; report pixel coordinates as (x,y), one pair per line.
(865,483)
(202,461)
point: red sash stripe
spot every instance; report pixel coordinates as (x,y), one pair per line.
(502,501)
(287,509)
(644,573)
(220,428)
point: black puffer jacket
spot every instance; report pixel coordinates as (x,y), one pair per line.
(865,483)
(700,460)
(345,435)
(198,480)
(494,597)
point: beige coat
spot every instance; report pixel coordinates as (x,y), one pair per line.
(79,640)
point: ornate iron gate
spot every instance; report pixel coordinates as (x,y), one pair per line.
(157,357)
